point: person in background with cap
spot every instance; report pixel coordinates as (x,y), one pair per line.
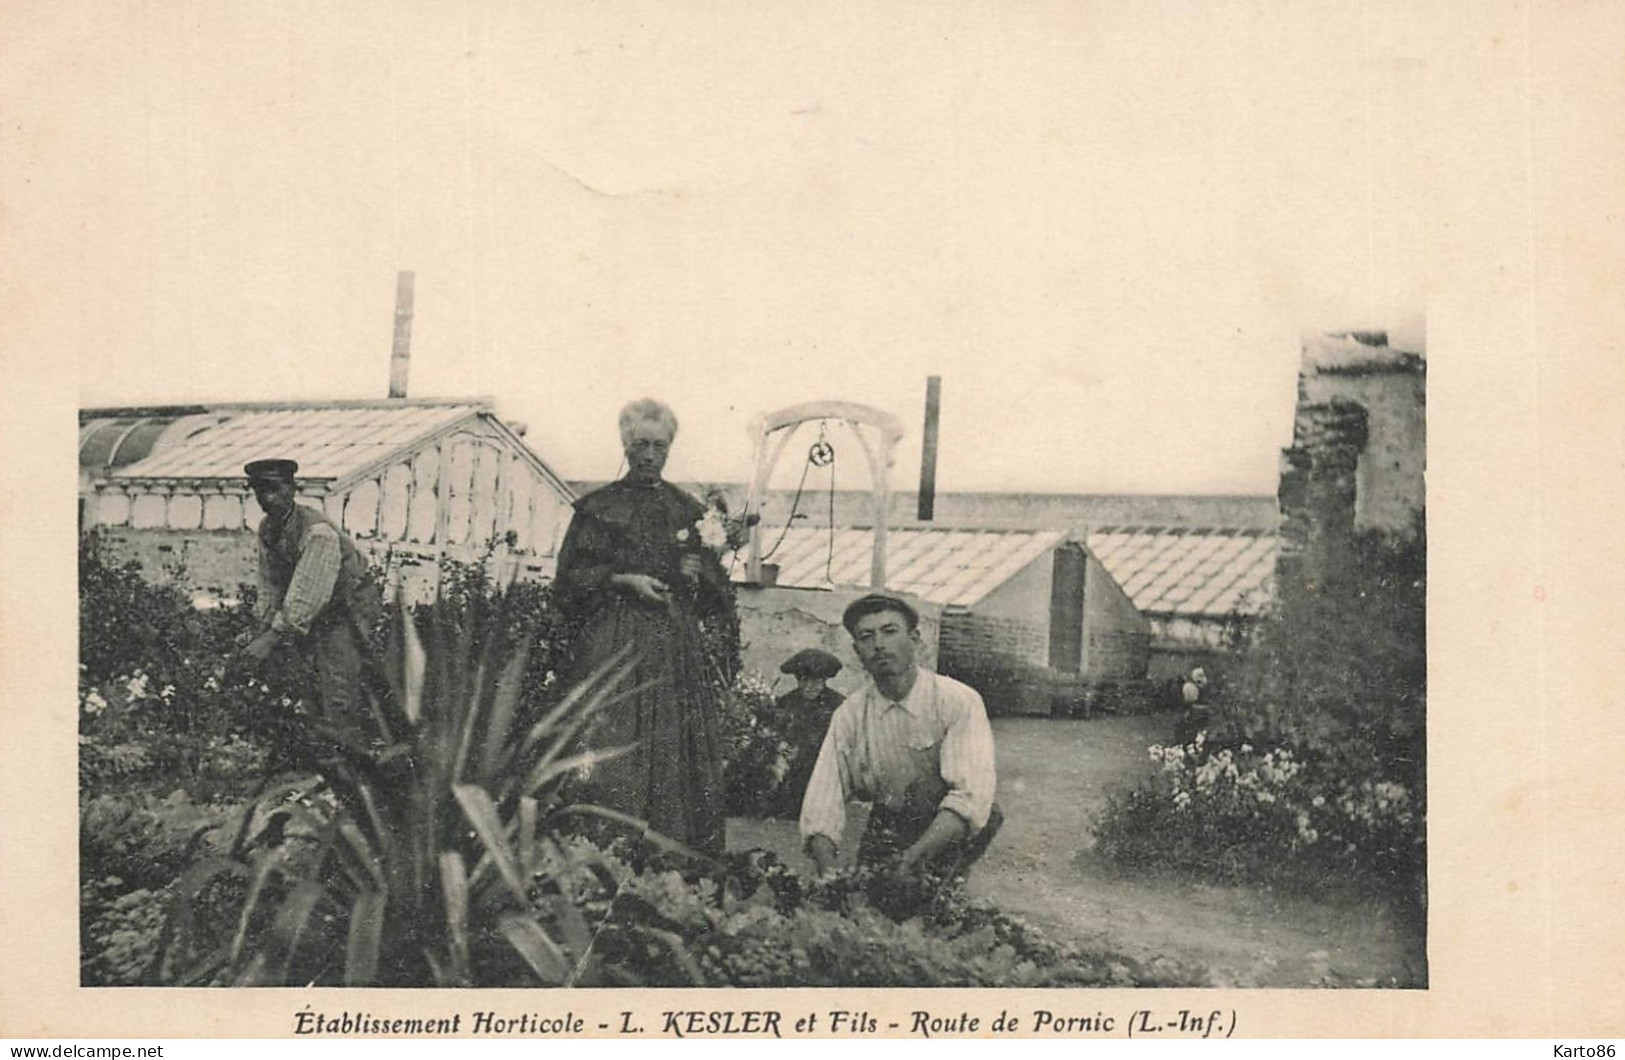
(914,743)
(803,715)
(315,595)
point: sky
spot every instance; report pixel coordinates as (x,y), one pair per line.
(1104,225)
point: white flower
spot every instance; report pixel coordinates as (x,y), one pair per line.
(713,530)
(137,687)
(682,535)
(1318,801)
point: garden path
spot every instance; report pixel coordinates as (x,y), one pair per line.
(1054,777)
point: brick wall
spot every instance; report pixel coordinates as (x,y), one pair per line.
(1117,654)
(975,641)
(1116,637)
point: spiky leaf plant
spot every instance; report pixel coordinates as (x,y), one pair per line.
(415,850)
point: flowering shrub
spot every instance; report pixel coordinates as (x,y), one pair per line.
(1231,813)
(159,697)
(1312,769)
(207,732)
(757,754)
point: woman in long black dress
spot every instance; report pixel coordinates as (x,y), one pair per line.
(634,570)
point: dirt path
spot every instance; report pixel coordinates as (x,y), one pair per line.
(1054,777)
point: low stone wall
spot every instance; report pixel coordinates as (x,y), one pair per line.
(215,563)
(775,623)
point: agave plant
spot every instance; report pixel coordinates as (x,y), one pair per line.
(414,853)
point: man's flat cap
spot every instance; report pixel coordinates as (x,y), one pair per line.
(270,470)
(811,662)
(876,602)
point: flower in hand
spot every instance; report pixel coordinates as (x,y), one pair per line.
(713,530)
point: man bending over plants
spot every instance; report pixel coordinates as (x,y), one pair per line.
(916,744)
(315,594)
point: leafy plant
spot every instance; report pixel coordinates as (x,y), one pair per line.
(759,756)
(414,854)
(758,924)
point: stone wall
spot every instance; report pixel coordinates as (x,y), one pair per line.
(1358,456)
(208,563)
(775,623)
(1023,511)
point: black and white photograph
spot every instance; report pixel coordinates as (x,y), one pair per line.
(630,496)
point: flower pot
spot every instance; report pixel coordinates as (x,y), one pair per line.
(770,575)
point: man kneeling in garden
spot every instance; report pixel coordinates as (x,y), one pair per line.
(913,742)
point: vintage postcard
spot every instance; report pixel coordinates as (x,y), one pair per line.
(1079,520)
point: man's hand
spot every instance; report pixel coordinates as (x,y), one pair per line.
(821,848)
(946,829)
(260,648)
(644,587)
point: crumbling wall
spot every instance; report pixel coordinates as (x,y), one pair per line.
(775,623)
(1357,462)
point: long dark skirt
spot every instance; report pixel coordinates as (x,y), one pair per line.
(671,778)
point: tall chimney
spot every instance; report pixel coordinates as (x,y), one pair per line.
(400,359)
(928,452)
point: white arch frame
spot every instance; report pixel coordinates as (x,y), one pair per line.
(769,449)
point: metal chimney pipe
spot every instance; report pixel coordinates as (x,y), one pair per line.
(400,358)
(928,452)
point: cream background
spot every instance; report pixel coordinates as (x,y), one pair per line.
(1516,113)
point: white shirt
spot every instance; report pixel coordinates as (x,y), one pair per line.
(875,748)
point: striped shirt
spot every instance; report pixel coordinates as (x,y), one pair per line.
(294,608)
(876,748)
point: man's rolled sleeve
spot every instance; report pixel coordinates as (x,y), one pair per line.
(270,599)
(313,579)
(967,760)
(823,807)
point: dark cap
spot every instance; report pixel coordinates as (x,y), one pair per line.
(270,470)
(876,602)
(811,662)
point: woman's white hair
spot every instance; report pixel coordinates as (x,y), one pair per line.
(647,410)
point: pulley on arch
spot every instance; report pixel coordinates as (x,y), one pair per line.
(820,454)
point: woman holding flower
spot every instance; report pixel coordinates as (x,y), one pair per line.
(639,568)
